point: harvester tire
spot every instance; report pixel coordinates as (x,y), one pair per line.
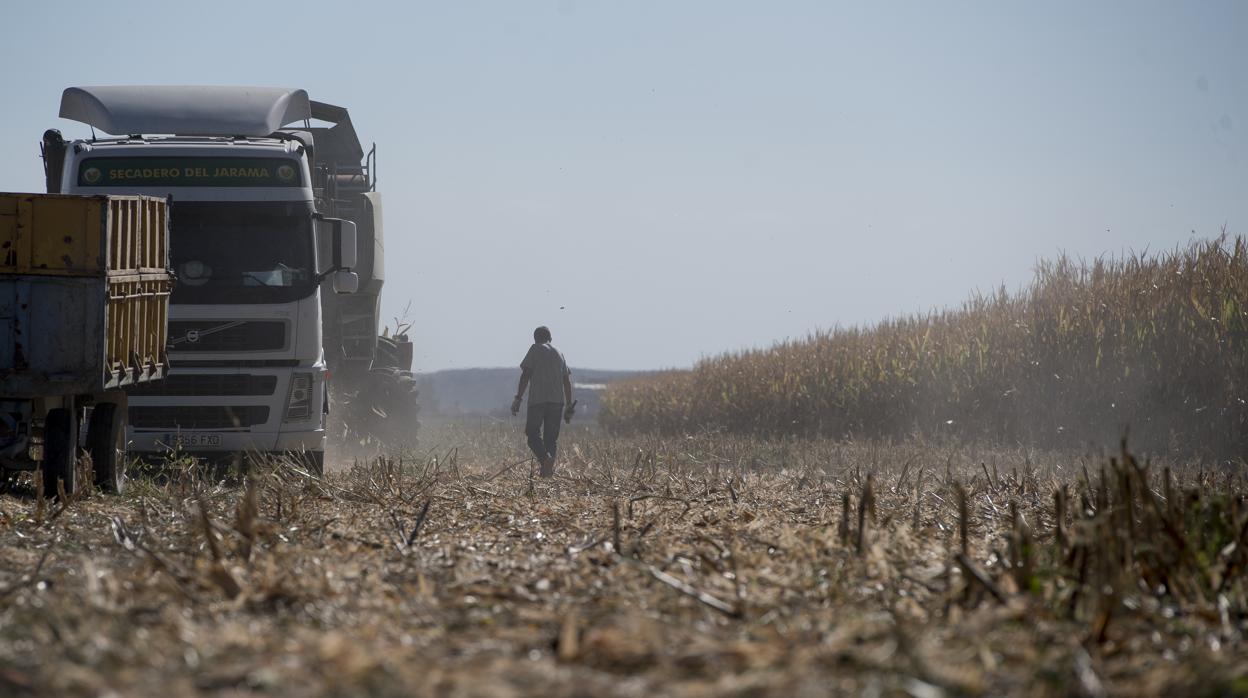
(60,450)
(106,441)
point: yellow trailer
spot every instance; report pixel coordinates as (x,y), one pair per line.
(84,303)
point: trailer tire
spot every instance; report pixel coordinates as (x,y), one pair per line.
(106,440)
(60,450)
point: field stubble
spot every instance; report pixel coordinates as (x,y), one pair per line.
(670,566)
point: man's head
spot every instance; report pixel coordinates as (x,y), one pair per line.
(541,335)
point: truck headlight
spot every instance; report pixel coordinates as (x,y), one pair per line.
(299,398)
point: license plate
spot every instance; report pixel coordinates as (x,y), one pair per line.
(193,440)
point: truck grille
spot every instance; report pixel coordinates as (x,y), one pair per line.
(198,417)
(230,384)
(225,335)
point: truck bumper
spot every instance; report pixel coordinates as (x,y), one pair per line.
(261,420)
(163,444)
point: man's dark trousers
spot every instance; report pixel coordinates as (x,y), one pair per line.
(542,428)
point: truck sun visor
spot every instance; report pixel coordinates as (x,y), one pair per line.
(185,110)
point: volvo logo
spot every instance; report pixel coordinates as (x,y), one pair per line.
(193,336)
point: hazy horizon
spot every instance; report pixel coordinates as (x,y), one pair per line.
(662,182)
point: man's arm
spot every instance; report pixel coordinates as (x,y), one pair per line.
(524,384)
(570,404)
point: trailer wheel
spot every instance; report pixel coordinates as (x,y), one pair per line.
(106,440)
(60,450)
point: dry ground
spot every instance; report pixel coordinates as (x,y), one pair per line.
(690,567)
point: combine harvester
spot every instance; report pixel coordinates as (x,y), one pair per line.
(84,302)
(254,240)
(373,389)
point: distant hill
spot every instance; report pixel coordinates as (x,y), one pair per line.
(488,391)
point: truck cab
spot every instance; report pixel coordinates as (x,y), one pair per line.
(249,252)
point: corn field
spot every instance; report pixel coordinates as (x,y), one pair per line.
(1156,346)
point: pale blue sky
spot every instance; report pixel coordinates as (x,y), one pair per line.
(685,178)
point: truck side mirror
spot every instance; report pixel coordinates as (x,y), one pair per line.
(346,282)
(342,242)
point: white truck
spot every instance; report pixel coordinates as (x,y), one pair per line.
(249,251)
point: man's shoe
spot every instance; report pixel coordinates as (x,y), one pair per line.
(548,467)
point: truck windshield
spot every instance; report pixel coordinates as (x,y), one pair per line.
(242,252)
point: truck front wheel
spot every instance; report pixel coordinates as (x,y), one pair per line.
(314,461)
(311,461)
(60,446)
(106,440)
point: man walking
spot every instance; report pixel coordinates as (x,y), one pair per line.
(545,371)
